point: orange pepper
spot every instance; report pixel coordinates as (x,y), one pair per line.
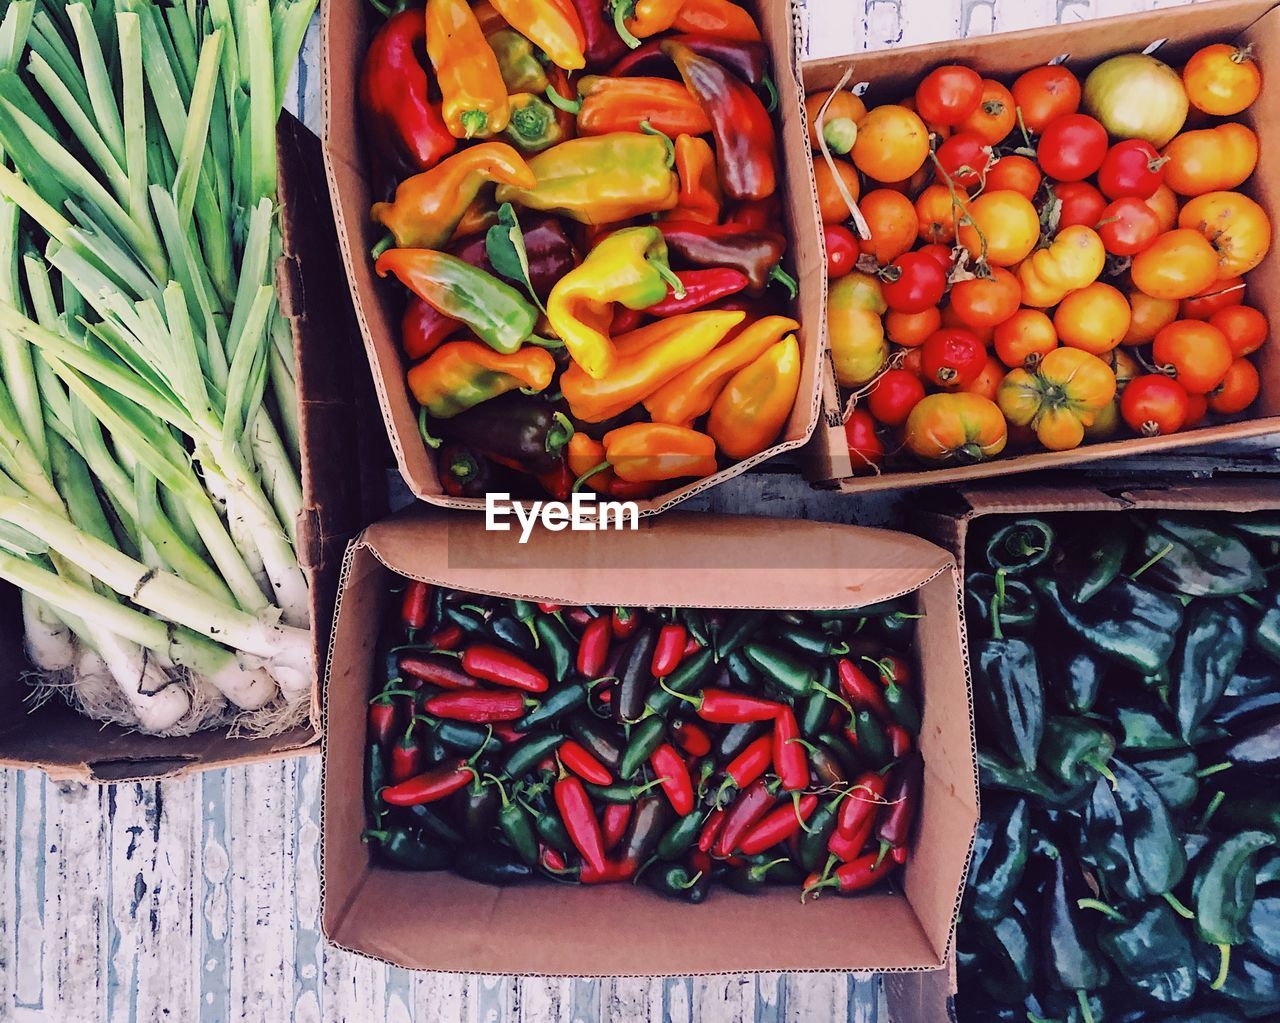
(470,80)
(461,374)
(700,196)
(753,407)
(585,455)
(624,104)
(551,25)
(639,19)
(644,452)
(488,17)
(716,18)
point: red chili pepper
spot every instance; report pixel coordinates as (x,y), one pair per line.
(593,647)
(752,762)
(710,830)
(553,859)
(669,650)
(902,793)
(614,822)
(408,757)
(723,707)
(448,638)
(558,482)
(691,737)
(506,734)
(850,847)
(604,45)
(701,288)
(579,616)
(625,320)
(502,667)
(415,604)
(899,741)
(579,818)
(790,761)
(757,214)
(778,825)
(437,670)
(860,691)
(384,718)
(431,785)
(746,59)
(625,621)
(575,757)
(860,805)
(699,862)
(676,783)
(613,872)
(423,329)
(691,647)
(548,608)
(754,253)
(855,876)
(898,854)
(752,803)
(476,706)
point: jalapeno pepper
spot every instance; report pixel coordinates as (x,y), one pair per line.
(789,760)
(410,848)
(431,785)
(671,771)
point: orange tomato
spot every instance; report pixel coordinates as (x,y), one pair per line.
(1025,338)
(987,382)
(1148,316)
(1218,295)
(911,329)
(986,301)
(1198,353)
(1001,227)
(936,215)
(855,305)
(961,428)
(1062,396)
(1211,160)
(893,143)
(1177,265)
(1244,327)
(840,123)
(832,204)
(951,318)
(1015,174)
(1237,227)
(1222,79)
(996,115)
(893,223)
(1093,319)
(1044,94)
(1197,409)
(1238,389)
(1165,203)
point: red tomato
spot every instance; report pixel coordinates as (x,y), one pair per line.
(940,252)
(1217,296)
(1082,204)
(1244,327)
(1045,94)
(1131,168)
(986,302)
(953,358)
(1072,147)
(996,115)
(1128,226)
(949,94)
(1197,409)
(894,395)
(1015,174)
(1197,352)
(919,283)
(1238,389)
(1154,405)
(911,330)
(987,382)
(842,250)
(866,450)
(963,158)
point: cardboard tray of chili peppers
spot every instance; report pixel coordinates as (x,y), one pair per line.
(598,236)
(1107,280)
(1126,668)
(707,728)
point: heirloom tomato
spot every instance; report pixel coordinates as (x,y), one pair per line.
(893,144)
(1128,226)
(1154,405)
(1176,265)
(987,382)
(1148,316)
(1210,160)
(1000,227)
(1025,338)
(1062,396)
(963,159)
(1072,148)
(984,302)
(1094,318)
(855,305)
(1236,226)
(1222,79)
(1136,96)
(1073,261)
(893,224)
(1194,353)
(842,250)
(1045,94)
(1220,294)
(952,357)
(1165,203)
(960,427)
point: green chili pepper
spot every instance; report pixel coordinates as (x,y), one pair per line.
(740,628)
(375,780)
(432,825)
(685,679)
(1200,560)
(1144,724)
(563,701)
(1223,891)
(409,848)
(675,880)
(648,826)
(1131,624)
(620,793)
(782,670)
(1106,842)
(679,838)
(818,707)
(646,736)
(821,826)
(551,830)
(752,877)
(873,744)
(1250,983)
(734,739)
(695,621)
(1149,831)
(1019,546)
(557,645)
(525,754)
(516,827)
(478,811)
(1151,950)
(1208,652)
(902,705)
(635,675)
(492,864)
(815,644)
(742,671)
(999,859)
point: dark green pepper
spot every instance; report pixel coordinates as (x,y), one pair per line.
(902,705)
(491,864)
(873,743)
(998,775)
(1131,624)
(685,679)
(1266,635)
(410,848)
(1173,775)
(999,859)
(516,826)
(821,826)
(816,712)
(1210,648)
(557,645)
(563,701)
(526,754)
(432,825)
(1149,831)
(375,780)
(1094,560)
(1076,750)
(1199,560)
(1251,813)
(1108,846)
(679,838)
(788,674)
(647,828)
(1255,687)
(752,877)
(1019,546)
(1251,983)
(814,644)
(1072,962)
(1144,724)
(1151,951)
(1009,696)
(646,736)
(551,830)
(477,811)
(734,739)
(635,675)
(1072,678)
(742,671)
(736,632)
(1008,957)
(676,881)
(1257,747)
(509,631)
(1019,610)
(1263,927)
(1223,891)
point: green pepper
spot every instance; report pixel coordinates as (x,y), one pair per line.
(1267,632)
(1072,962)
(1208,652)
(741,671)
(478,811)
(508,630)
(1254,688)
(998,775)
(410,848)
(1263,926)
(1094,560)
(817,709)
(902,705)
(600,740)
(1144,724)
(563,701)
(525,754)
(552,832)
(679,838)
(432,825)
(516,826)
(1009,696)
(821,826)
(375,780)
(873,743)
(646,736)
(1019,609)
(785,672)
(1259,525)
(750,878)
(736,632)
(1223,891)
(1008,957)
(999,859)
(676,881)
(1197,560)
(684,679)
(1072,677)
(492,864)
(1251,983)
(1019,546)
(815,644)
(1173,775)
(1131,624)
(1268,867)
(1107,844)
(1251,813)
(557,644)
(1076,749)
(734,739)
(1151,951)
(1149,831)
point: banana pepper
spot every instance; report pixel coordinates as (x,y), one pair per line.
(612,104)
(534,125)
(646,452)
(586,459)
(470,80)
(754,405)
(461,374)
(552,25)
(646,359)
(518,62)
(600,180)
(694,391)
(639,19)
(1060,398)
(629,267)
(720,19)
(429,206)
(700,199)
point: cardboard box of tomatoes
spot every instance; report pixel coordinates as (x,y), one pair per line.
(1048,247)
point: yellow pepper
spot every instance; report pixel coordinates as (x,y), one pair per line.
(753,407)
(461,374)
(694,391)
(470,80)
(1073,261)
(645,452)
(553,27)
(647,359)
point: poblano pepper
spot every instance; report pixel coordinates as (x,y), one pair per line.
(1131,624)
(1093,561)
(1008,957)
(1173,775)
(1108,849)
(1073,678)
(1196,559)
(1019,610)
(1151,950)
(1209,649)
(1263,926)
(1223,891)
(999,859)
(1149,831)
(1076,749)
(1008,694)
(1019,546)
(1073,963)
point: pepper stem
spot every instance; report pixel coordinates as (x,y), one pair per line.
(1206,772)
(884,851)
(664,271)
(690,883)
(1211,809)
(838,649)
(388,241)
(501,788)
(770,93)
(393,692)
(697,703)
(649,129)
(786,280)
(996,631)
(1152,560)
(834,696)
(595,470)
(474,122)
(621,10)
(377,836)
(795,805)
(560,433)
(1086,1010)
(1177,906)
(569,106)
(1224,964)
(1102,769)
(1101,907)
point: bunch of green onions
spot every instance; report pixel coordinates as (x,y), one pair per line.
(149,478)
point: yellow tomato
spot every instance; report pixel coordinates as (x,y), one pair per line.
(1093,319)
(892,143)
(1060,398)
(855,306)
(1175,266)
(1003,227)
(1210,160)
(1073,261)
(1148,316)
(1236,226)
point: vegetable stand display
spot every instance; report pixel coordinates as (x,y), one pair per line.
(1103,282)
(603,267)
(574,753)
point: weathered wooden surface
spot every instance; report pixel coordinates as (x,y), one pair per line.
(198,900)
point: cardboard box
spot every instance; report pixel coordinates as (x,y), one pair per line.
(547,928)
(895,73)
(337,502)
(926,997)
(346,28)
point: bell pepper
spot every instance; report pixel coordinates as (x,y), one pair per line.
(1075,750)
(1062,396)
(647,359)
(625,104)
(1209,648)
(470,80)
(1018,608)
(522,431)
(628,267)
(634,20)
(747,59)
(1130,624)
(754,405)
(649,452)
(693,392)
(702,288)
(1072,962)
(497,313)
(755,253)
(700,197)
(1223,891)
(1009,695)
(406,130)
(1172,774)
(553,26)
(600,180)
(746,146)
(461,374)
(534,125)
(603,44)
(1199,560)
(1017,547)
(550,252)
(1151,951)
(1000,854)
(718,18)
(518,61)
(423,328)
(429,206)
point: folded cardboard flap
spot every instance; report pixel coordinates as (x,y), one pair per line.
(619,929)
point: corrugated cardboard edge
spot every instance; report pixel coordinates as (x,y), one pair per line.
(807,250)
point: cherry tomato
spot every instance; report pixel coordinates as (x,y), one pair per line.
(1082,204)
(963,158)
(1197,353)
(1045,94)
(1218,295)
(1015,174)
(1222,79)
(987,382)
(842,250)
(1154,405)
(1128,226)
(831,203)
(913,283)
(910,330)
(1148,317)
(953,358)
(1093,319)
(893,143)
(995,116)
(1131,168)
(987,301)
(949,94)
(1176,265)
(1238,389)
(913,360)
(893,224)
(1002,228)
(1244,327)
(1165,203)
(942,253)
(1197,409)
(1025,338)
(1072,147)
(894,395)
(866,450)
(936,214)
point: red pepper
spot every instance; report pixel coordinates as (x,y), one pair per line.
(502,667)
(423,329)
(558,482)
(674,775)
(615,820)
(691,647)
(613,872)
(431,785)
(850,847)
(604,45)
(476,706)
(593,647)
(408,757)
(710,830)
(790,762)
(757,214)
(723,707)
(699,862)
(898,854)
(548,608)
(580,820)
(625,621)
(505,733)
(778,825)
(899,741)
(740,125)
(415,605)
(751,252)
(861,691)
(384,718)
(751,763)
(625,320)
(579,616)
(553,860)
(701,288)
(669,650)
(902,793)
(575,757)
(855,876)
(448,638)
(406,129)
(860,805)
(437,670)
(748,60)
(752,803)
(893,669)
(691,737)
